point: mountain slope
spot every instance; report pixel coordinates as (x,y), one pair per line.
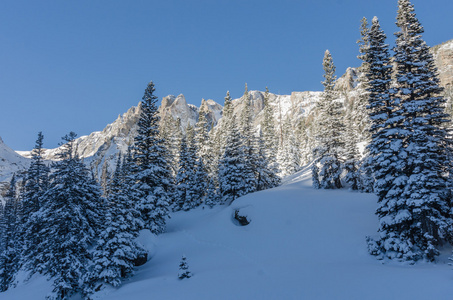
(301,244)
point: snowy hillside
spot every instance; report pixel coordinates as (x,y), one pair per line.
(301,244)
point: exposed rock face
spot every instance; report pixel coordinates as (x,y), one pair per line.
(348,81)
(177,107)
(443,56)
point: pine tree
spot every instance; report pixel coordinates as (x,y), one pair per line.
(184,269)
(361,117)
(202,137)
(36,179)
(212,188)
(351,152)
(232,167)
(248,144)
(36,183)
(289,156)
(266,174)
(424,201)
(269,133)
(152,172)
(217,144)
(71,218)
(170,132)
(9,238)
(116,250)
(186,173)
(420,221)
(328,154)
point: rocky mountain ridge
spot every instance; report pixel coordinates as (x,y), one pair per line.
(99,149)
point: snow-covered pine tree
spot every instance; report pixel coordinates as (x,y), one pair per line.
(170,132)
(184,269)
(362,119)
(186,173)
(36,183)
(269,133)
(289,156)
(351,152)
(385,148)
(202,137)
(305,139)
(9,238)
(116,250)
(200,183)
(71,218)
(266,174)
(152,171)
(386,140)
(248,144)
(328,153)
(212,188)
(36,180)
(217,141)
(182,176)
(196,195)
(232,169)
(419,222)
(222,130)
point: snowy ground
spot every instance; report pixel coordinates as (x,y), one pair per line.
(301,244)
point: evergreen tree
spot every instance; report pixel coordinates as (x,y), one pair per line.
(202,137)
(269,133)
(217,142)
(328,155)
(351,152)
(420,221)
(200,183)
(184,269)
(170,132)
(212,188)
(266,174)
(232,169)
(36,179)
(9,238)
(289,156)
(71,218)
(36,183)
(248,144)
(415,227)
(184,189)
(152,172)
(116,250)
(361,117)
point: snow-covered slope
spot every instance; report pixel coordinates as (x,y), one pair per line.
(301,244)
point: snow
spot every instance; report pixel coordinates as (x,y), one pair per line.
(301,244)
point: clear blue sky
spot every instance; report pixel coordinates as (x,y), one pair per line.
(75,65)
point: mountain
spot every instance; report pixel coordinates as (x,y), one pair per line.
(301,243)
(100,148)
